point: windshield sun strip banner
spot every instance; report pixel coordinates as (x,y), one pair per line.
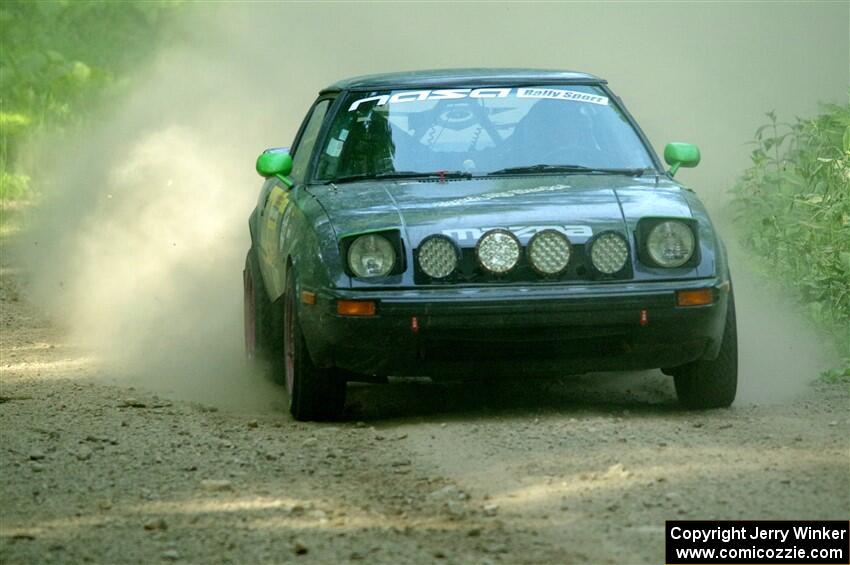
(459,93)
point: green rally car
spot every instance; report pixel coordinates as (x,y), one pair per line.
(481,224)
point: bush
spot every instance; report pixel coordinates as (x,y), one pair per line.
(793,210)
(59,57)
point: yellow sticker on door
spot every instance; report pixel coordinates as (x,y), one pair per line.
(277,204)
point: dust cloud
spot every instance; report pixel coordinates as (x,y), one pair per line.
(140,242)
(780,352)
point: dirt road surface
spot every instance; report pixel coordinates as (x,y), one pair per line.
(575,470)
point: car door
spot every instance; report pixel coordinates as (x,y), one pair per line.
(278,205)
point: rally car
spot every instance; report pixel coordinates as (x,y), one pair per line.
(481,224)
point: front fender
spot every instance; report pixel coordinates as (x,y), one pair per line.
(713,251)
(309,244)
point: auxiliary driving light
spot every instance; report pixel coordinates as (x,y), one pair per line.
(609,253)
(549,252)
(498,251)
(438,256)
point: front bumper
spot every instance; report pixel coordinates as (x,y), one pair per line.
(516,330)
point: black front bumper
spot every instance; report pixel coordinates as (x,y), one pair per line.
(514,330)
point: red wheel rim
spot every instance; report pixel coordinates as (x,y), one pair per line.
(289,344)
(250,317)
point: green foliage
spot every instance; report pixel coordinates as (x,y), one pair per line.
(793,209)
(13,186)
(59,59)
(837,375)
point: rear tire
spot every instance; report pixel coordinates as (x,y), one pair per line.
(314,393)
(712,384)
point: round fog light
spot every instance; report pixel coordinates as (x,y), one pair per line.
(498,251)
(609,253)
(549,252)
(438,256)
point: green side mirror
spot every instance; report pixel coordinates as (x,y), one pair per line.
(681,155)
(275,164)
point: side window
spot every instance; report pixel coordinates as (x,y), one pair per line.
(308,140)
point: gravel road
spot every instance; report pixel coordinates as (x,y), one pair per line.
(575,470)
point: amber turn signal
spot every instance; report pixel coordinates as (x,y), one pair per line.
(308,297)
(699,297)
(355,307)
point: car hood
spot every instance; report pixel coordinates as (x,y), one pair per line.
(578,205)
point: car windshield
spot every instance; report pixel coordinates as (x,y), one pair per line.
(465,131)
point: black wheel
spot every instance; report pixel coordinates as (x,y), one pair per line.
(314,393)
(712,384)
(259,339)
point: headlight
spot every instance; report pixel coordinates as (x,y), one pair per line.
(670,244)
(609,253)
(498,251)
(371,256)
(549,252)
(438,257)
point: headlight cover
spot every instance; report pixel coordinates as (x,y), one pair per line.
(670,244)
(438,256)
(549,252)
(498,251)
(371,255)
(609,253)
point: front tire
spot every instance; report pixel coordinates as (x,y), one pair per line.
(712,384)
(314,393)
(257,311)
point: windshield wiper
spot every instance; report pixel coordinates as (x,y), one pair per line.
(543,168)
(402,175)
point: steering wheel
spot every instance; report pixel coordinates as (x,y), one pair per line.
(455,116)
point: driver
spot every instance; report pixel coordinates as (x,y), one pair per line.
(553,132)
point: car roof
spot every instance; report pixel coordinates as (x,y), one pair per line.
(461,77)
